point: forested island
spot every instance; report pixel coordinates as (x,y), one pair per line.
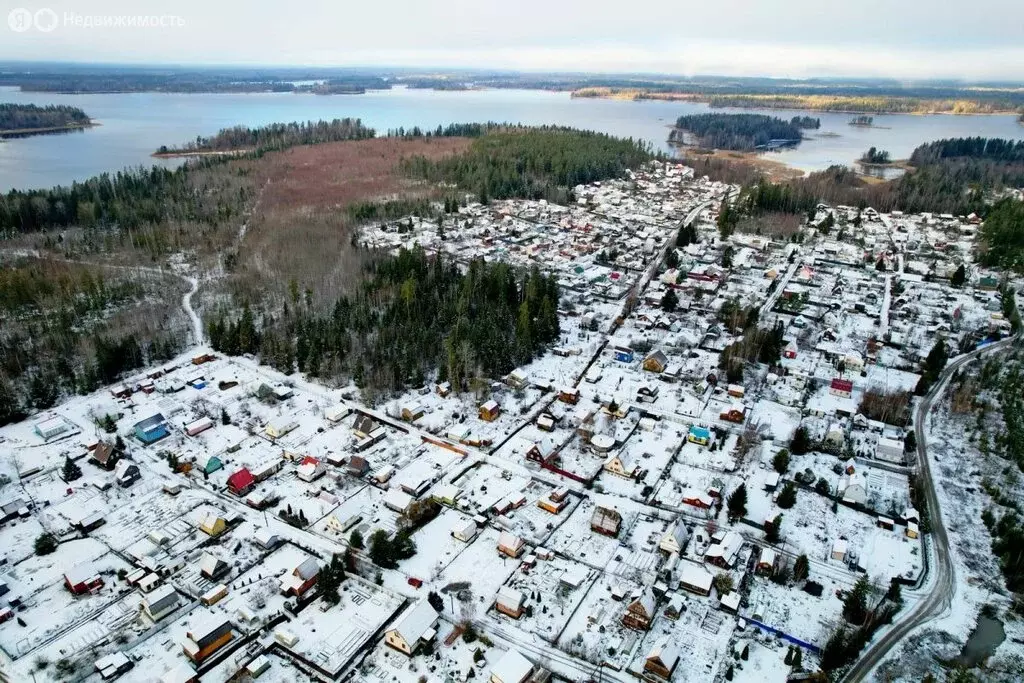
(864,121)
(739,132)
(875,157)
(20,120)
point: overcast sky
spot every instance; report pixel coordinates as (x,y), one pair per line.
(981,39)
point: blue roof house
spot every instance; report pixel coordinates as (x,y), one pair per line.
(152,429)
(699,435)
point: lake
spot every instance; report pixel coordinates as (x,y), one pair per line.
(133,125)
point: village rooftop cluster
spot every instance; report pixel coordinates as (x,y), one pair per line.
(211,517)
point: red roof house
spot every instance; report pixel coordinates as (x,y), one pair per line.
(241,482)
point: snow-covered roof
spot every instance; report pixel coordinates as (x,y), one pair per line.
(511,668)
(415,621)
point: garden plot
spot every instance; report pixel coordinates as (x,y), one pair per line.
(16,539)
(258,590)
(363,511)
(436,546)
(553,590)
(595,632)
(721,459)
(51,610)
(576,540)
(480,565)
(579,460)
(686,479)
(237,554)
(792,611)
(648,452)
(701,634)
(766,661)
(483,486)
(813,528)
(531,522)
(219,440)
(452,663)
(639,557)
(175,514)
(331,636)
(777,421)
(117,624)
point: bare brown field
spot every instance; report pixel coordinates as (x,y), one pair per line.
(299,228)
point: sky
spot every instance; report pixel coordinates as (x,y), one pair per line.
(905,39)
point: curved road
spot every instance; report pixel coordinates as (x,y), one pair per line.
(938,599)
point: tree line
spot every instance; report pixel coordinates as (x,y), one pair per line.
(413,316)
(22,116)
(743,132)
(276,136)
(533,163)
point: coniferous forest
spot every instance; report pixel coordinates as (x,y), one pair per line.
(741,132)
(412,315)
(14,117)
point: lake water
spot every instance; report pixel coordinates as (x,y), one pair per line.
(134,125)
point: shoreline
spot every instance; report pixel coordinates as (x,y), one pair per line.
(49,130)
(172,154)
(697,98)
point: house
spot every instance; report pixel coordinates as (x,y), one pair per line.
(415,626)
(695,578)
(490,411)
(113,665)
(160,602)
(207,637)
(791,350)
(357,466)
(623,353)
(278,427)
(730,602)
(606,521)
(546,422)
(647,393)
(620,464)
(337,413)
(852,488)
(209,464)
(699,435)
(82,579)
(104,455)
(151,430)
(570,395)
(662,660)
(301,578)
(766,562)
(510,544)
(656,361)
(843,388)
(913,530)
(241,482)
(735,390)
(199,426)
(889,450)
(512,668)
(266,538)
(364,426)
(127,473)
(257,667)
(737,412)
(724,552)
(447,494)
(413,411)
(398,500)
(640,612)
(540,452)
(550,504)
(464,530)
(443,389)
(214,595)
(674,540)
(698,499)
(212,567)
(602,443)
(840,549)
(517,379)
(510,602)
(213,525)
(93,520)
(183,673)
(50,429)
(310,469)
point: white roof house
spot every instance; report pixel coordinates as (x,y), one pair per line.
(675,538)
(511,668)
(398,500)
(416,624)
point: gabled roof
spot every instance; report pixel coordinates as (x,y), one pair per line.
(415,621)
(512,667)
(241,479)
(644,601)
(665,653)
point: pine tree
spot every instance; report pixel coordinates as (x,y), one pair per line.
(670,300)
(959,276)
(787,497)
(771,529)
(70,471)
(737,502)
(801,568)
(781,461)
(801,442)
(855,606)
